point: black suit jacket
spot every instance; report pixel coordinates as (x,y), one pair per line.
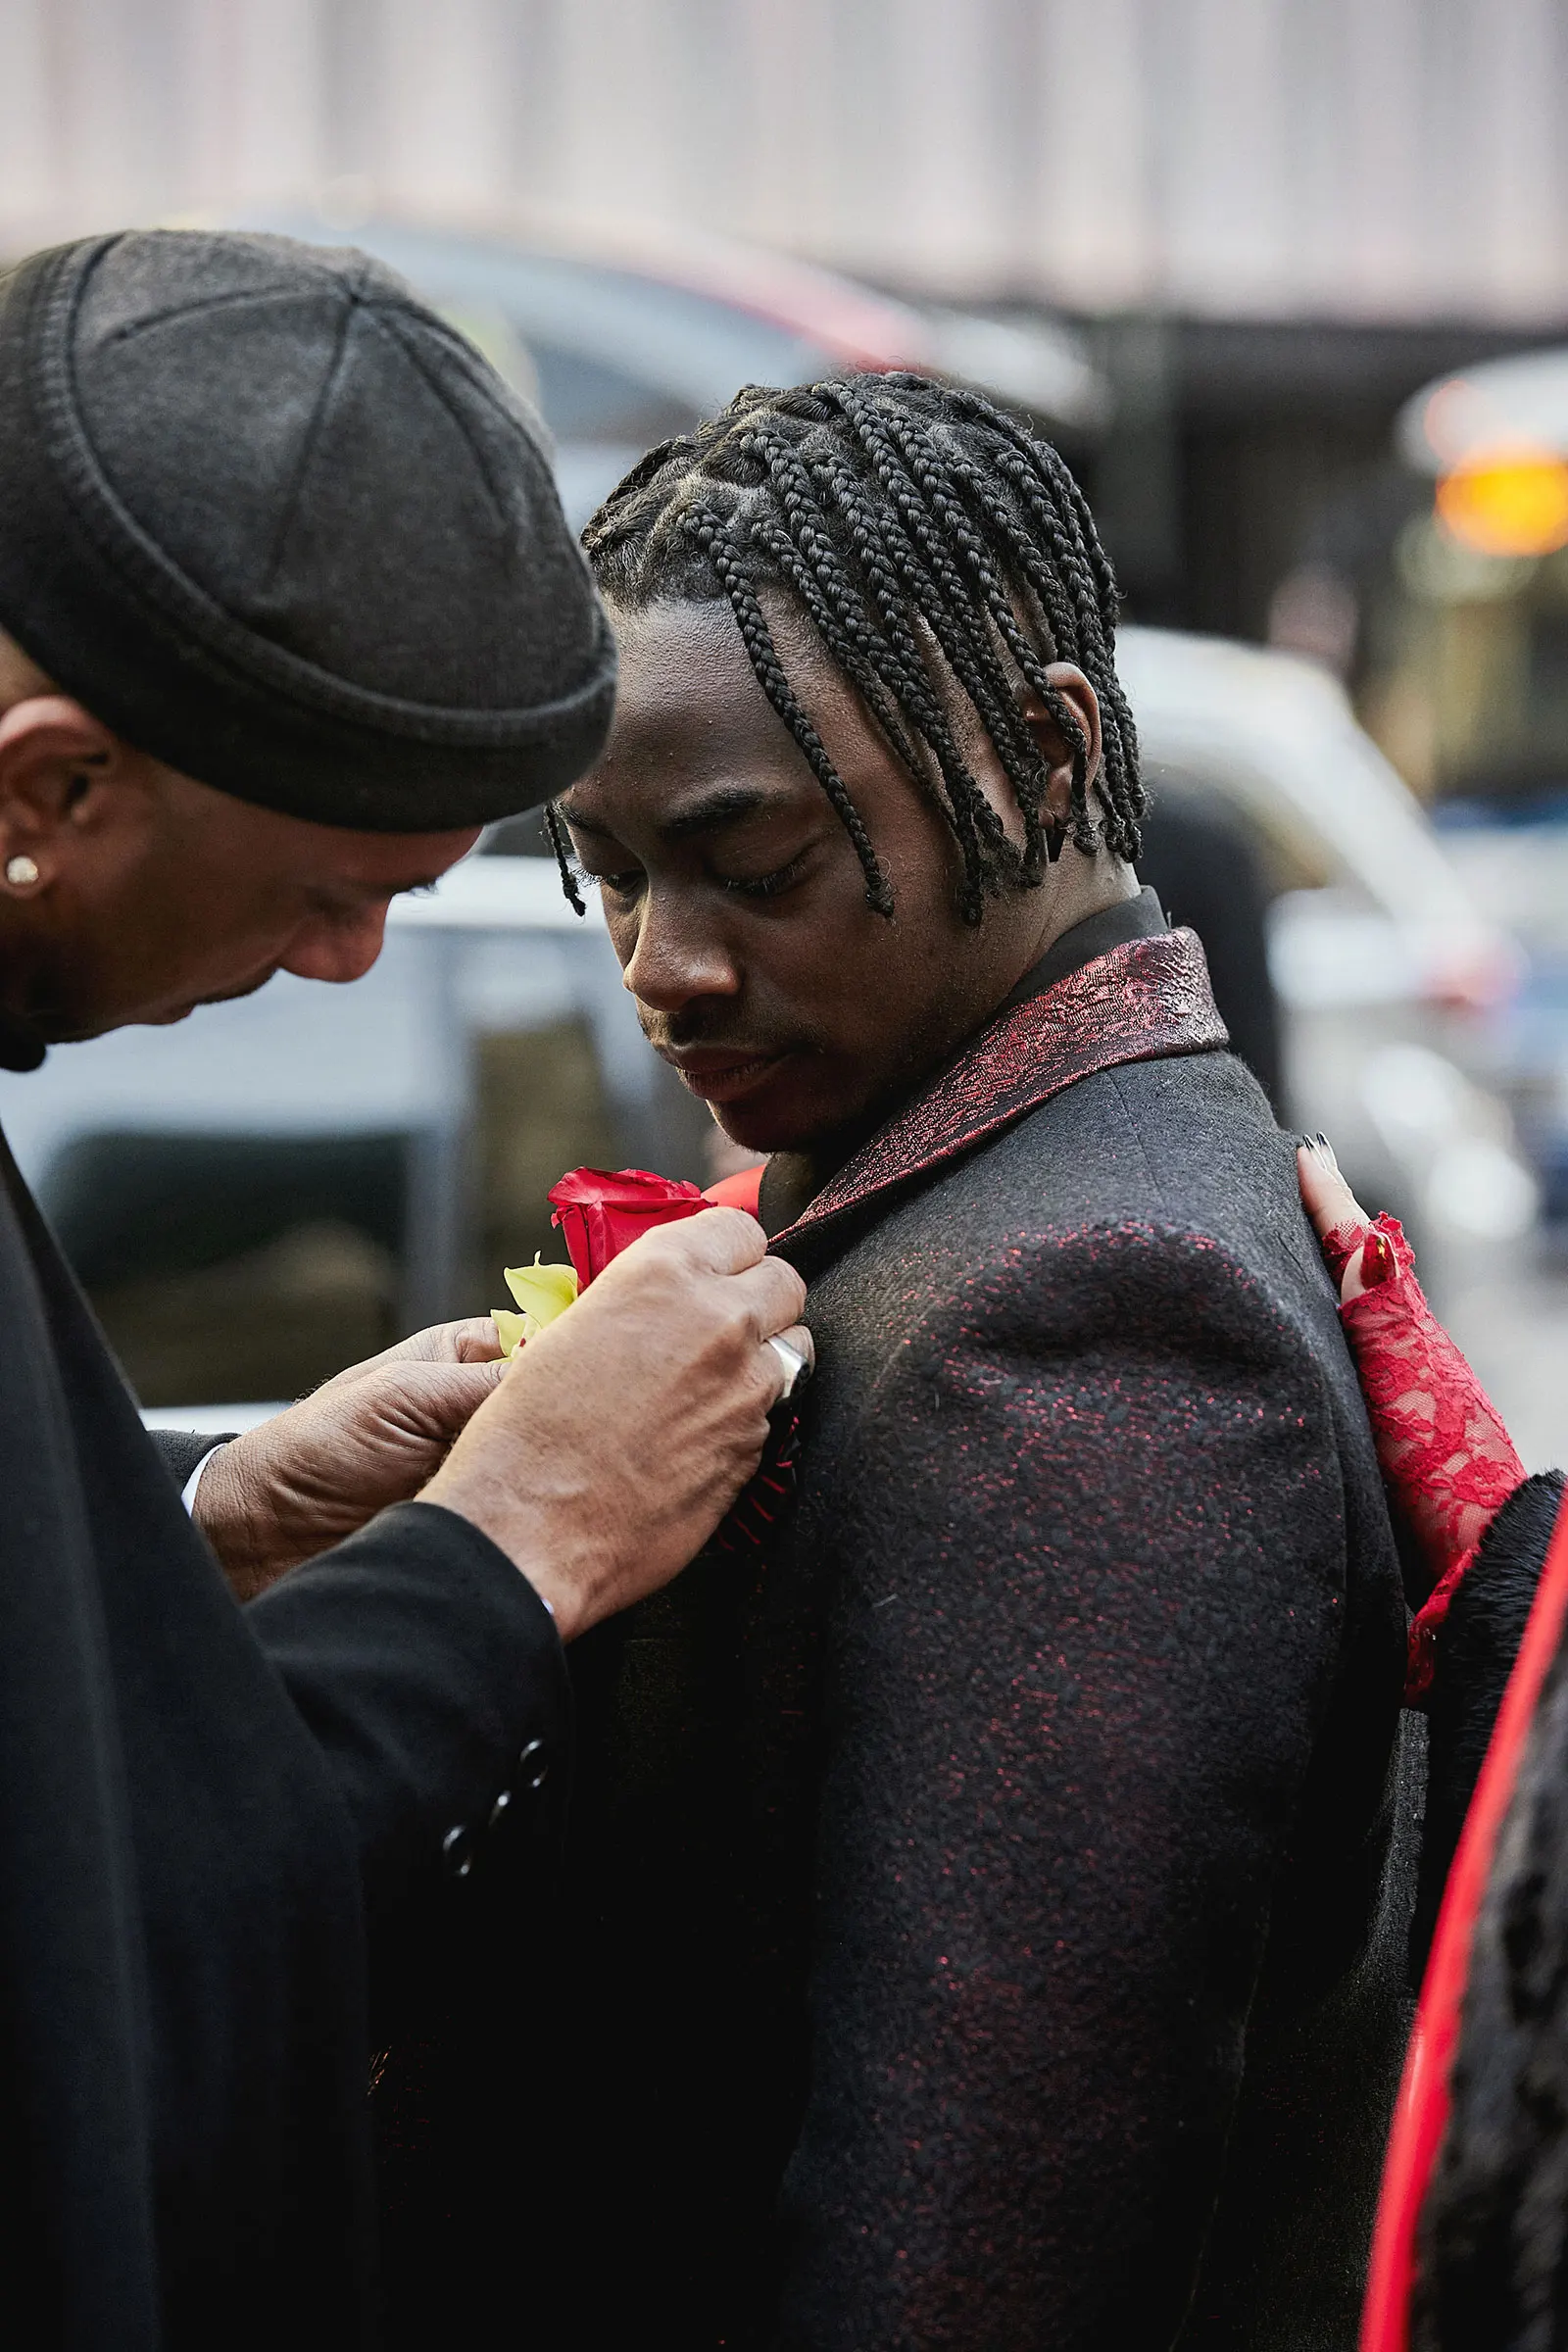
(981,1929)
(209,1818)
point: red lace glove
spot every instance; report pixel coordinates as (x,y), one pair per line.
(1447,1462)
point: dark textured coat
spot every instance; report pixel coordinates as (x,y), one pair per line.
(980,1926)
(1492,2256)
(210,1820)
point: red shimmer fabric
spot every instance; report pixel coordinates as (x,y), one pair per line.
(1422,2114)
(602,1213)
(1445,1456)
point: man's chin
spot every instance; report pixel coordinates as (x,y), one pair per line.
(790,1118)
(78,1027)
(765,1126)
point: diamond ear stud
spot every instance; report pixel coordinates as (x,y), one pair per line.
(21,872)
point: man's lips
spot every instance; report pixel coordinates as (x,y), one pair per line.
(720,1073)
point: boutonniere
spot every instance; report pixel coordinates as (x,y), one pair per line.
(600,1214)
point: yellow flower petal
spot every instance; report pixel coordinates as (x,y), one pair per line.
(542,1292)
(510,1330)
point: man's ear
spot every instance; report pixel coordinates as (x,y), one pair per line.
(56,762)
(1056,749)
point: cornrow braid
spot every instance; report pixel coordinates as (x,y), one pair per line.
(560,842)
(910,522)
(708,531)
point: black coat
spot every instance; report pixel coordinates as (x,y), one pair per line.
(209,1818)
(981,1925)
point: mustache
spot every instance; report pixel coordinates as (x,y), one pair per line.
(697,1027)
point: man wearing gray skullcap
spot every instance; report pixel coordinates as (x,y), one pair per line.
(287,613)
(291,534)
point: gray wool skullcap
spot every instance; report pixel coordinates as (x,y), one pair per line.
(275,523)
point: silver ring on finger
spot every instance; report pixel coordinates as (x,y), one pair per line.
(793,1361)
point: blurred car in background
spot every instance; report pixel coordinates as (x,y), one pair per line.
(1471,669)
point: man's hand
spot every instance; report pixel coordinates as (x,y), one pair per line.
(617,1440)
(303,1481)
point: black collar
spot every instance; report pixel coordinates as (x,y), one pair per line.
(1138,918)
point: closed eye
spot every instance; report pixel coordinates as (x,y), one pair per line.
(621,885)
(768,886)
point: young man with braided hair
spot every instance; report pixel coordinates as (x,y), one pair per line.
(1008,1841)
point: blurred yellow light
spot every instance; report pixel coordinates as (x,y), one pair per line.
(1507,502)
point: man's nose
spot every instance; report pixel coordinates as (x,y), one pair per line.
(338,951)
(674,961)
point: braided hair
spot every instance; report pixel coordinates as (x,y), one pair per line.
(890,506)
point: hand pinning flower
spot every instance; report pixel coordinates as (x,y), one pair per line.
(601,1214)
(542,1293)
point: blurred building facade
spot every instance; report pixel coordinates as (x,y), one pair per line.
(1331,159)
(1277,218)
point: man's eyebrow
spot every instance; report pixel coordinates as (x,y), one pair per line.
(726,804)
(578,822)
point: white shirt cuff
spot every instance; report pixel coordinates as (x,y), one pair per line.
(187,1492)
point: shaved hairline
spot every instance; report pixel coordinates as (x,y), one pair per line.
(20,678)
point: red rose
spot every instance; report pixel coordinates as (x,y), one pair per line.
(601,1214)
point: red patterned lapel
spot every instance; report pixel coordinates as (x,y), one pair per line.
(1139,1001)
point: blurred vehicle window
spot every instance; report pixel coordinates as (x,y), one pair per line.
(593,400)
(1386,972)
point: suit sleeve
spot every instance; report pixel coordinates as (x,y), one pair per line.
(182,1449)
(1090,1579)
(431,1676)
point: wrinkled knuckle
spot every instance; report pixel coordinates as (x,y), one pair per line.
(740,1324)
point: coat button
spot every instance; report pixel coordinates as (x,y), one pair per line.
(534,1764)
(457,1849)
(498,1809)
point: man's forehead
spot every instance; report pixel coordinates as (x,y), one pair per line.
(692,719)
(683,669)
(338,859)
